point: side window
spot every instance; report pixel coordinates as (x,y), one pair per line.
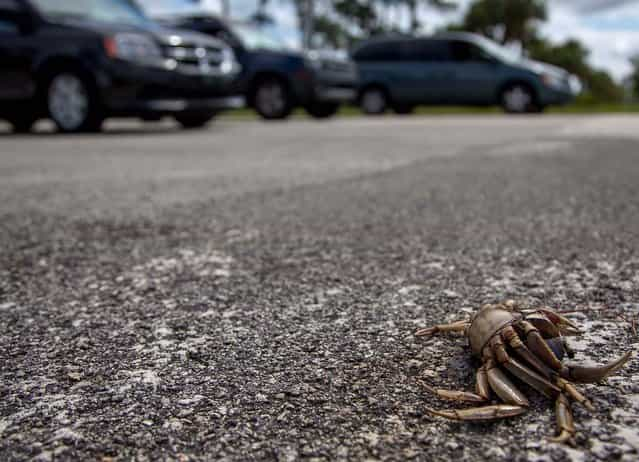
(387,51)
(466,51)
(427,51)
(462,51)
(10,13)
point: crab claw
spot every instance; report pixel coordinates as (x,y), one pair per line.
(565,325)
(494,412)
(587,374)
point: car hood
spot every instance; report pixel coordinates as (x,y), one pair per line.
(279,54)
(164,35)
(539,67)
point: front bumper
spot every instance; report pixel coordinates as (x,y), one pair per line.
(177,105)
(563,93)
(550,96)
(127,89)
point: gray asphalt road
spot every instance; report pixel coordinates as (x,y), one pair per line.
(250,291)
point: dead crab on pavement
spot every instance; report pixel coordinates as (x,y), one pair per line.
(529,344)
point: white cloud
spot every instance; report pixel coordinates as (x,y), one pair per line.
(612,35)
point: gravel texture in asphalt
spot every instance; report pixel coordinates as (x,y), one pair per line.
(250,292)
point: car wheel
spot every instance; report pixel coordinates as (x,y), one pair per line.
(404,109)
(272,99)
(22,124)
(322,110)
(518,99)
(373,101)
(194,120)
(72,103)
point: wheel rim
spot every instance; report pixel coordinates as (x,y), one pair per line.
(271,99)
(68,101)
(517,99)
(373,101)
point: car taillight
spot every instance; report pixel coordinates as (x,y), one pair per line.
(110,47)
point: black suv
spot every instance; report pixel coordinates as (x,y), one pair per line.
(275,79)
(80,61)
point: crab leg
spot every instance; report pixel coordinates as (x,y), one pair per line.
(498,411)
(457,326)
(503,387)
(575,394)
(481,387)
(512,338)
(538,345)
(454,395)
(587,374)
(564,421)
(525,374)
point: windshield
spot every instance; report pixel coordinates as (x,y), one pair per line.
(255,39)
(162,8)
(111,11)
(496,50)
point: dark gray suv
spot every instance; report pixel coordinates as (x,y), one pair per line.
(456,68)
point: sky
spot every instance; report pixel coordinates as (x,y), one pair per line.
(609,28)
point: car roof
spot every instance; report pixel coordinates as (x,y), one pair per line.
(467,36)
(398,38)
(452,35)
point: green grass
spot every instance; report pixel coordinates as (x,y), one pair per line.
(577,108)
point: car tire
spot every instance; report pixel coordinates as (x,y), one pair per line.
(190,121)
(518,98)
(404,109)
(72,103)
(272,99)
(373,101)
(322,110)
(22,124)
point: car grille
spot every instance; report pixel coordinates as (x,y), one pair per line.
(196,59)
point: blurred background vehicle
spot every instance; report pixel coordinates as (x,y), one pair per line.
(275,79)
(457,69)
(80,61)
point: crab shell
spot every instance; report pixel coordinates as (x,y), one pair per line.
(486,322)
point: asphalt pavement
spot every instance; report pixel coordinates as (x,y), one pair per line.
(250,291)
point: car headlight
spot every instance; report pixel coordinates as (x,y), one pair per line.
(229,62)
(313,60)
(575,84)
(132,47)
(553,81)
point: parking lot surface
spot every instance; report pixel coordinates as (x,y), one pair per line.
(250,291)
